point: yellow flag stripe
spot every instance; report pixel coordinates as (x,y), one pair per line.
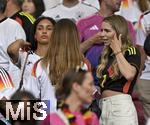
(30,17)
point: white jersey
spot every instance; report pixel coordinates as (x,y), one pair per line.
(50,3)
(130,10)
(94,3)
(40,85)
(10,31)
(75,13)
(143,27)
(6,85)
(146,72)
(31,59)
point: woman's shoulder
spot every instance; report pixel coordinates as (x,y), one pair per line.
(132,50)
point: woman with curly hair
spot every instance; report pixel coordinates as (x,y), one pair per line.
(117,71)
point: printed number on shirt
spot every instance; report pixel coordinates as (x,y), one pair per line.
(104,80)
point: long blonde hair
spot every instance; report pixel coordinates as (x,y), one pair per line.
(119,24)
(63,51)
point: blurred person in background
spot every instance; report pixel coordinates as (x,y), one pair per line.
(143,31)
(71,9)
(33,7)
(75,91)
(50,3)
(13,10)
(132,9)
(10,31)
(94,3)
(144,80)
(29,102)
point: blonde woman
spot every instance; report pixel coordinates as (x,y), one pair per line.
(118,70)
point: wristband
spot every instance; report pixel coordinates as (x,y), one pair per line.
(118,53)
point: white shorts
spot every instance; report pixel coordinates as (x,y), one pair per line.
(118,110)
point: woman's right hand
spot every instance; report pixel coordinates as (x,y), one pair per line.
(25,46)
(96,39)
(116,44)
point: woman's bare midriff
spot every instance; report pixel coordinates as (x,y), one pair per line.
(109,93)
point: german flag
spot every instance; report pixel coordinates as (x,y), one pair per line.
(125,3)
(5,80)
(34,68)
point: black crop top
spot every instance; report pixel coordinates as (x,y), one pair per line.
(121,84)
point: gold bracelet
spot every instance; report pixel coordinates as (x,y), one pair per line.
(117,53)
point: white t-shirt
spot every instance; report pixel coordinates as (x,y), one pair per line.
(130,11)
(50,3)
(94,3)
(10,31)
(144,24)
(146,72)
(75,13)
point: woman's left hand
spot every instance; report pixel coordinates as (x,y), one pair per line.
(116,44)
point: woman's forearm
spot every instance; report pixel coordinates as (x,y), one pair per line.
(126,69)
